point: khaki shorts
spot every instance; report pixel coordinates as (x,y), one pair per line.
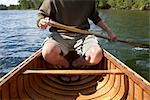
(79,43)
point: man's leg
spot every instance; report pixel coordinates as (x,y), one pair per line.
(90,50)
(92,57)
(51,52)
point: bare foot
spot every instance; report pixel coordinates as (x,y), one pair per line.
(75,78)
(64,63)
(79,62)
(65,78)
(68,78)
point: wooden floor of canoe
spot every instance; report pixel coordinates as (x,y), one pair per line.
(16,85)
(50,87)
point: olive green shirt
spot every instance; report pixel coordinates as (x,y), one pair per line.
(70,12)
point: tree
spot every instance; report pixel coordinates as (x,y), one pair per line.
(112,3)
(13,7)
(129,4)
(30,4)
(103,4)
(141,4)
(3,7)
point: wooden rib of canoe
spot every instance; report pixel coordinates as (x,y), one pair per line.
(35,79)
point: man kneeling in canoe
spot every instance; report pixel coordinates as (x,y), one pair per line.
(72,13)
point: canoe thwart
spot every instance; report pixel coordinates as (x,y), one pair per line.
(73,72)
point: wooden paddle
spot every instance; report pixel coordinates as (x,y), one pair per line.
(73,29)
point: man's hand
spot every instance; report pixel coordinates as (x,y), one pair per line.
(110,33)
(43,23)
(112,37)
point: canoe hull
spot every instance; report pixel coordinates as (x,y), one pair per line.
(125,86)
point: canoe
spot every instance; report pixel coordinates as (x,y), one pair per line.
(35,79)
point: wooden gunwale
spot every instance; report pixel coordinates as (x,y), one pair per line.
(129,72)
(20,67)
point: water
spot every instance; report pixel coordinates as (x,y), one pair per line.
(19,37)
(131,26)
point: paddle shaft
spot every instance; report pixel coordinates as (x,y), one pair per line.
(73,29)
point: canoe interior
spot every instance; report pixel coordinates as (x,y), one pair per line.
(126,86)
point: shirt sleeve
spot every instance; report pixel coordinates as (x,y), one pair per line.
(46,10)
(94,15)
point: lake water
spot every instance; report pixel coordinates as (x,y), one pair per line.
(19,37)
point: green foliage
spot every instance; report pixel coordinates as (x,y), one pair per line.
(112,3)
(120,4)
(13,7)
(126,4)
(3,7)
(138,3)
(30,4)
(23,4)
(141,4)
(27,4)
(103,4)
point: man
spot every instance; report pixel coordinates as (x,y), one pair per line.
(73,13)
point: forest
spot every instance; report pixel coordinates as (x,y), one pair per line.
(101,4)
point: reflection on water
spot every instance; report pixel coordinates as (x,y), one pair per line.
(19,37)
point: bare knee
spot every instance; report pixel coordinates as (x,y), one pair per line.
(94,55)
(51,53)
(50,50)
